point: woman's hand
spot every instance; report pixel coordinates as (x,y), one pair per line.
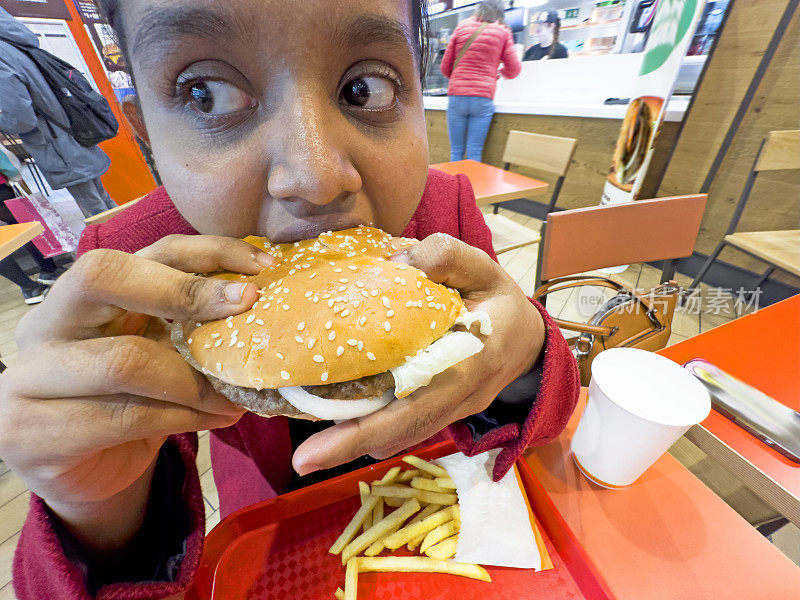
(464,389)
(98,387)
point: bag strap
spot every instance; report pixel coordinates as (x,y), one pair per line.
(468,44)
(565,283)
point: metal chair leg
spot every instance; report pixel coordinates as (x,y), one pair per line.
(668,270)
(764,277)
(495,208)
(707,265)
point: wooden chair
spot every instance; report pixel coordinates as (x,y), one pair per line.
(111,212)
(542,152)
(546,153)
(585,239)
(780,150)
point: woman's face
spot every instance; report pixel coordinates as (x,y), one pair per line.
(281,119)
(544,32)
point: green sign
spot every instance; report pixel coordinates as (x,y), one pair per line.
(672,21)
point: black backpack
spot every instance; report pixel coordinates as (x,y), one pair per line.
(90,118)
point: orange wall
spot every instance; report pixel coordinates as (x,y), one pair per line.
(128,177)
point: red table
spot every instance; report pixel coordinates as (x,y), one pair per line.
(763,350)
(491,184)
(666,536)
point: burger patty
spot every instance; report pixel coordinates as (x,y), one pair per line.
(270,403)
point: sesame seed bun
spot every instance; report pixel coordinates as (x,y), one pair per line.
(333,309)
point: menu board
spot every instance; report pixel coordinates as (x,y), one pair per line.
(107,49)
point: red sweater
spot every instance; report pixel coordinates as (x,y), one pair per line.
(476,74)
(252,459)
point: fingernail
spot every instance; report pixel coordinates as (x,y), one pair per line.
(401,257)
(264,259)
(234,291)
(306,469)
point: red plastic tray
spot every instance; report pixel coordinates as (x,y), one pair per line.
(279,549)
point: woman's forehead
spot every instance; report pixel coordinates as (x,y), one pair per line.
(150,24)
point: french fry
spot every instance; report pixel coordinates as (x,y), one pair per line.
(444,549)
(406,476)
(440,533)
(339,594)
(421,564)
(354,524)
(378,530)
(399,491)
(393,502)
(377,512)
(424,513)
(445,482)
(410,532)
(378,546)
(391,475)
(429,485)
(363,491)
(351,580)
(424,465)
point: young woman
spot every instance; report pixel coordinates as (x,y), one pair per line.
(546,32)
(478,47)
(282,122)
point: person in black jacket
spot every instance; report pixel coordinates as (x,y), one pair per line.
(546,31)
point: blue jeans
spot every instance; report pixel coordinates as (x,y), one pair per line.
(468,120)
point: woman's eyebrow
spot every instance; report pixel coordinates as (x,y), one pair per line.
(159,27)
(375,29)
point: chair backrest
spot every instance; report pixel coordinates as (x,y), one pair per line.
(543,152)
(781,150)
(585,239)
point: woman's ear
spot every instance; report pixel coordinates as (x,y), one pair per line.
(132,112)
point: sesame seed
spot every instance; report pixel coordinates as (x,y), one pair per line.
(397,280)
(315,299)
(363,249)
(352,342)
(228,320)
(370,356)
(189,341)
(250,319)
(235,332)
(298,339)
(324,376)
(270,297)
(256,340)
(309,294)
(336,309)
(330,303)
(387,326)
(433,324)
(218,343)
(292,271)
(402,281)
(341,288)
(279,300)
(219,366)
(419,284)
(340,351)
(337,270)
(206,345)
(285,307)
(214,335)
(314,274)
(353,268)
(360,345)
(343,280)
(329,324)
(345,312)
(259,321)
(325,296)
(240,345)
(271,285)
(359,284)
(285,375)
(402,267)
(280,355)
(254,304)
(266,306)
(373,293)
(356,303)
(362,320)
(332,335)
(429,298)
(318,358)
(351,254)
(301,325)
(389,313)
(385,301)
(432,304)
(364,293)
(331,263)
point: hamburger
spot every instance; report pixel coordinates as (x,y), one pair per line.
(338,330)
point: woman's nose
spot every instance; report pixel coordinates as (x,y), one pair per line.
(308,160)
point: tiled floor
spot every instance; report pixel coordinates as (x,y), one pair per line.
(520,264)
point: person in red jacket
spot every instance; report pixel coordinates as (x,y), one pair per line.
(478,46)
(253,132)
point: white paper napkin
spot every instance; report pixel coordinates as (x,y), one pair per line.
(495,525)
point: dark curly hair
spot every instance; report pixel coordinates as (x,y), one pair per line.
(111,9)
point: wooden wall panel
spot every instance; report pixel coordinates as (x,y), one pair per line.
(775,199)
(583,185)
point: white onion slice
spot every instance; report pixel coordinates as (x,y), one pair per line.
(448,350)
(330,410)
(467,319)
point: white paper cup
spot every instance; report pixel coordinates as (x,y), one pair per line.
(639,404)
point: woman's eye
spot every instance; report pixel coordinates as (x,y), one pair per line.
(217,98)
(373,93)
